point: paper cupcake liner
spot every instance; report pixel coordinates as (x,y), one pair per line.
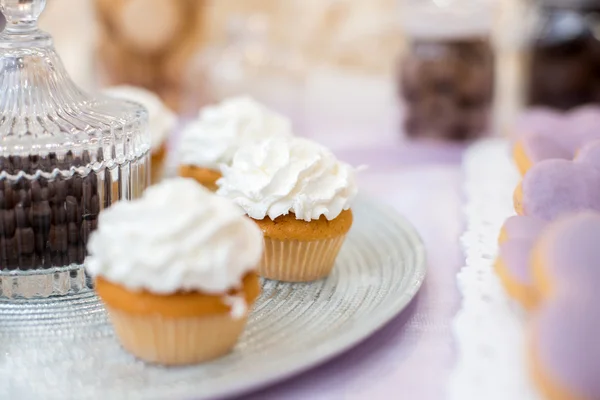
(176,341)
(299,261)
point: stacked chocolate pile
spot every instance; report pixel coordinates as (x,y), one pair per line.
(565,61)
(46,222)
(447,88)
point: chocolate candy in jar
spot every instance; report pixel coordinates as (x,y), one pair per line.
(64,157)
(564,70)
(447,70)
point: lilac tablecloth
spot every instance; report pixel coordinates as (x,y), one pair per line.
(411,357)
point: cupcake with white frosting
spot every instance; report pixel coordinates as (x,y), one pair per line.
(161,123)
(301,196)
(219,131)
(175,270)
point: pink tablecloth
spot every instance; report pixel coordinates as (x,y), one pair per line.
(411,357)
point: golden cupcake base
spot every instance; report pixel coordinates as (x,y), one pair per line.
(179,328)
(176,341)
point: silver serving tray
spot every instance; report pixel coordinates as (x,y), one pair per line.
(63,347)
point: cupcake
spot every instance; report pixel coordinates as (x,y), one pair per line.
(300,195)
(175,270)
(161,122)
(219,131)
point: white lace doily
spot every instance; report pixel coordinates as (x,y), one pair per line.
(489,327)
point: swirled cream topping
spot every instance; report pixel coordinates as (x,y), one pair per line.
(161,119)
(288,175)
(220,130)
(178,236)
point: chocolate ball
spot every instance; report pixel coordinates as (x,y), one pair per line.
(25,240)
(58,239)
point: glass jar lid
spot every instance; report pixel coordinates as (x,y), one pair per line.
(44,112)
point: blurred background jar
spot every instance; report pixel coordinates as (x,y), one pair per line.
(447,68)
(147,42)
(315,61)
(245,54)
(565,54)
(549,56)
(286,54)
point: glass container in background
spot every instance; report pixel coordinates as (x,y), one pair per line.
(447,68)
(548,56)
(303,58)
(244,59)
(64,157)
(149,43)
(565,55)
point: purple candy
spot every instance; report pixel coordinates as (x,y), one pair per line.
(540,120)
(572,253)
(590,154)
(566,333)
(539,147)
(567,328)
(584,125)
(515,255)
(552,188)
(547,134)
(523,227)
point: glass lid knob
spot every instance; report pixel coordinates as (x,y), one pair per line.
(21,17)
(22,11)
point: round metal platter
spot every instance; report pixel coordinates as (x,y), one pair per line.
(64,347)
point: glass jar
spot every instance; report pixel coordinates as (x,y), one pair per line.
(245,58)
(447,69)
(564,71)
(149,43)
(64,157)
(549,56)
(303,58)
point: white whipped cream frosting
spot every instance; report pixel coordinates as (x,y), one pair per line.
(178,236)
(161,119)
(283,175)
(220,130)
